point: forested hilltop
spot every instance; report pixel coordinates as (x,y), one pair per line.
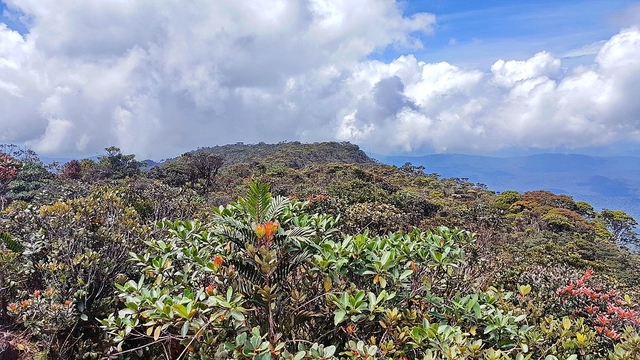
(303,251)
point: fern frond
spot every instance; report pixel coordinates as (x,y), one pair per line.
(229,221)
(11,243)
(299,235)
(257,201)
(289,265)
(239,236)
(249,270)
(278,204)
(303,316)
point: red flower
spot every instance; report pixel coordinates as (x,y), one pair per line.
(591,309)
(603,320)
(627,314)
(611,334)
(12,306)
(565,290)
(36,293)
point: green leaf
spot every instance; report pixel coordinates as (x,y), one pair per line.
(329,351)
(122,313)
(372,301)
(185,329)
(240,339)
(385,257)
(229,294)
(477,310)
(339,316)
(406,274)
(181,310)
(238,316)
(437,256)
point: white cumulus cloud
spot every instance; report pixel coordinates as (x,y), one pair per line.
(533,103)
(158,78)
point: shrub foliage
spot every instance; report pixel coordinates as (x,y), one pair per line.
(314,260)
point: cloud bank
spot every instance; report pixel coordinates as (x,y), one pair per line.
(158,78)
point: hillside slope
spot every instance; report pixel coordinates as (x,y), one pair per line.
(291,154)
(605,182)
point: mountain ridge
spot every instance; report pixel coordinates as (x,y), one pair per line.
(604,181)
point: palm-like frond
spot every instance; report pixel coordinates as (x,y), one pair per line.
(278,204)
(229,221)
(249,270)
(257,201)
(238,235)
(298,236)
(287,265)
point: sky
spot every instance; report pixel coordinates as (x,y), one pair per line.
(395,77)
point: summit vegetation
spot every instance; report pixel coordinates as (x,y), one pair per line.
(303,251)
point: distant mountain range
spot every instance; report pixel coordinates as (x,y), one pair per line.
(611,182)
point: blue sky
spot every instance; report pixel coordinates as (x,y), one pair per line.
(477,33)
(11,19)
(482,77)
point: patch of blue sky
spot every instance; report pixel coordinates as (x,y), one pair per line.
(13,19)
(474,34)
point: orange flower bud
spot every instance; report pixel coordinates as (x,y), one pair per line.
(271,228)
(217,260)
(209,290)
(260,230)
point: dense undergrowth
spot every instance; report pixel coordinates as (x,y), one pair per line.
(306,252)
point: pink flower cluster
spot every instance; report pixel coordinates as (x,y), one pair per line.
(606,310)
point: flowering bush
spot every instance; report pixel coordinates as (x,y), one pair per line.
(276,278)
(46,314)
(606,310)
